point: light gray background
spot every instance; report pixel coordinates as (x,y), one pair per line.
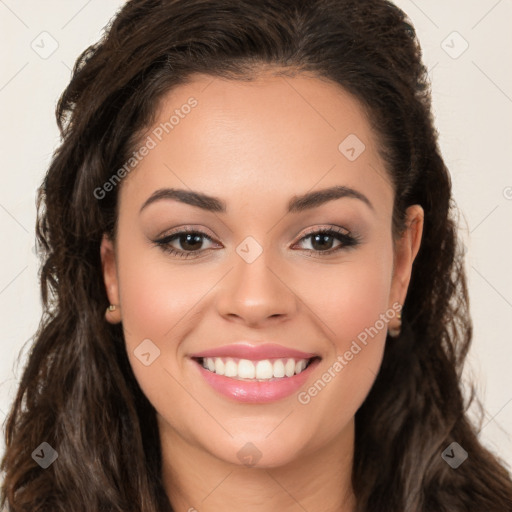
(472,95)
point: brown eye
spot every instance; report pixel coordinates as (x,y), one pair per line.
(322,241)
(189,243)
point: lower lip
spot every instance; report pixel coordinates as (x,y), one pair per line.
(254,391)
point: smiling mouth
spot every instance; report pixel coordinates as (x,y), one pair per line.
(264,370)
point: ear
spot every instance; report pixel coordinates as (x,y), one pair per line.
(108,263)
(405,251)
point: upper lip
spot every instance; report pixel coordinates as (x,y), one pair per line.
(254,352)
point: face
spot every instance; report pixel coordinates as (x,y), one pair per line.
(292,247)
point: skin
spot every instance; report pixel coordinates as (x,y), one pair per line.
(256,146)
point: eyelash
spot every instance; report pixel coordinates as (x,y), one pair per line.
(347,241)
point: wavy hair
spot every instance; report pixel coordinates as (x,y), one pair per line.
(78,392)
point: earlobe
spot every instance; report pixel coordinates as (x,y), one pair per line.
(108,263)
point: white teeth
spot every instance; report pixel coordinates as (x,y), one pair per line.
(231,369)
(279,368)
(218,364)
(246,369)
(265,369)
(299,366)
(289,368)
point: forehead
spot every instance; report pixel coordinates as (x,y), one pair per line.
(273,137)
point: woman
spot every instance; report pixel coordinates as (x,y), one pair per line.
(254,293)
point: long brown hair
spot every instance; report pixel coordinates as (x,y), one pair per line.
(78,393)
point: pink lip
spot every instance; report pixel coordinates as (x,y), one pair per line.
(254,352)
(256,391)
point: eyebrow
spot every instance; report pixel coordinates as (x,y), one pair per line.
(295,205)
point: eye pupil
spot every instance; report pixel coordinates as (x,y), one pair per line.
(322,238)
(192,240)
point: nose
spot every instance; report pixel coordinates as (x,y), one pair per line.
(257,293)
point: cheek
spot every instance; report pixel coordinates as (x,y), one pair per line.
(353,306)
(352,297)
(353,315)
(156,294)
(156,300)
(159,303)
